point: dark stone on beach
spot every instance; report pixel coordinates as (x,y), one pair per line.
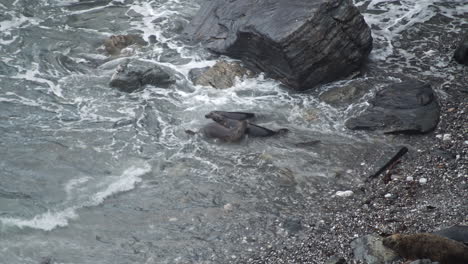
(457,232)
(406,107)
(221,76)
(336,260)
(461,53)
(301,43)
(369,249)
(131,77)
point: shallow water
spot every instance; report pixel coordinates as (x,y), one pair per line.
(92,175)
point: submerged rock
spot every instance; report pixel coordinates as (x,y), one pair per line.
(221,76)
(131,77)
(346,94)
(406,107)
(116,43)
(301,43)
(461,54)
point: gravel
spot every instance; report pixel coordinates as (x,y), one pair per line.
(430,193)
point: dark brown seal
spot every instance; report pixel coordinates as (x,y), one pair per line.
(226,129)
(428,246)
(230,119)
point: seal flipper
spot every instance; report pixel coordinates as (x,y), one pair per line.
(235,115)
(254,130)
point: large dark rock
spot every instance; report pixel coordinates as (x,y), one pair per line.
(461,54)
(130,77)
(406,107)
(303,43)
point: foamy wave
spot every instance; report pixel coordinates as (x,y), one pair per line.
(53,219)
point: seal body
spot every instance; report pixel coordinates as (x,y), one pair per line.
(231,119)
(228,130)
(430,246)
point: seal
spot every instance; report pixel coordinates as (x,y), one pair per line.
(228,130)
(425,245)
(230,119)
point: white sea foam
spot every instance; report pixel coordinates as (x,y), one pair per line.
(390,18)
(59,218)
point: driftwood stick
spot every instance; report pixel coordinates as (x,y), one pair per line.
(396,157)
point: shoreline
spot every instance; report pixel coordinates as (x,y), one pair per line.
(438,165)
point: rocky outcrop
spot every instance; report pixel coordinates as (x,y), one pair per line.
(461,54)
(301,43)
(406,107)
(130,77)
(221,76)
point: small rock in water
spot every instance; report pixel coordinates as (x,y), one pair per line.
(423,181)
(409,178)
(344,193)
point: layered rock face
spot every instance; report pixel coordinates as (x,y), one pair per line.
(302,43)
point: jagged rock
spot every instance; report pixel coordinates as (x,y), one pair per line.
(406,107)
(130,77)
(116,43)
(221,76)
(369,249)
(301,43)
(461,54)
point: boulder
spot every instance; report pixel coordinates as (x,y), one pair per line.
(461,54)
(301,43)
(407,107)
(129,77)
(221,76)
(116,43)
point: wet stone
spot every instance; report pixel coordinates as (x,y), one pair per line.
(369,249)
(221,76)
(407,107)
